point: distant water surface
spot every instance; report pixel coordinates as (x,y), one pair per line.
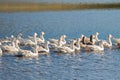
(81,66)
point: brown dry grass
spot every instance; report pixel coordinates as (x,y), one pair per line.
(10,7)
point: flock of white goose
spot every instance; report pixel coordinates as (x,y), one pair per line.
(38,45)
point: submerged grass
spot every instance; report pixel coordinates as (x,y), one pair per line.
(10,7)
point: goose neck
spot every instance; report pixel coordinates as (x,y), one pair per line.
(47,46)
(60,42)
(41,37)
(16,45)
(35,40)
(101,45)
(109,40)
(96,37)
(72,45)
(35,49)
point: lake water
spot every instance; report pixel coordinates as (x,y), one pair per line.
(80,66)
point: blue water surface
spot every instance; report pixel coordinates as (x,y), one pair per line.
(79,66)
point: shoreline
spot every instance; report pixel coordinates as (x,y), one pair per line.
(16,7)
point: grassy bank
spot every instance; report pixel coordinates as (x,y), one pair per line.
(10,7)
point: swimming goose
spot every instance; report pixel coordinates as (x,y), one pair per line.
(117,41)
(92,40)
(99,47)
(55,47)
(63,41)
(7,39)
(28,41)
(88,41)
(42,39)
(11,47)
(39,40)
(27,53)
(96,36)
(108,43)
(58,43)
(44,50)
(62,38)
(85,40)
(66,49)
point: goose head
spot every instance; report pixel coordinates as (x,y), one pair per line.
(64,36)
(12,37)
(82,35)
(20,35)
(97,33)
(42,33)
(35,34)
(110,36)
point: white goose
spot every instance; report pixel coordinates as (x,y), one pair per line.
(7,39)
(42,39)
(11,47)
(96,36)
(27,53)
(44,50)
(58,43)
(39,40)
(28,41)
(99,47)
(108,43)
(63,41)
(66,49)
(117,41)
(62,38)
